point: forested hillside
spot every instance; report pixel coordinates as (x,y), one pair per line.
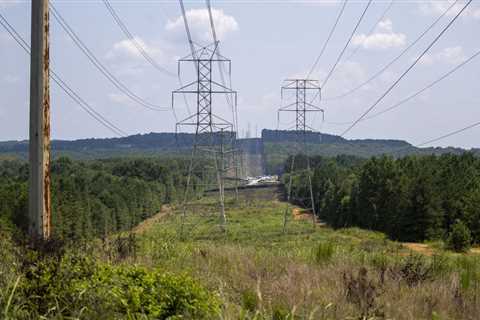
(410,199)
(94,198)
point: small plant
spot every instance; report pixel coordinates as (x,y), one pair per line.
(324,252)
(414,270)
(249,300)
(363,292)
(460,238)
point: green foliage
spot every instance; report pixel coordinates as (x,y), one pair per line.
(410,199)
(249,300)
(77,286)
(94,198)
(460,238)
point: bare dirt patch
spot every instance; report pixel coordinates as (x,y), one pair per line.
(148,223)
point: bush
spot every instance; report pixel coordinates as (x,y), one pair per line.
(78,287)
(460,238)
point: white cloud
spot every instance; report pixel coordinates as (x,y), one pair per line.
(120,98)
(438,7)
(383,38)
(450,55)
(199,24)
(127,59)
(127,49)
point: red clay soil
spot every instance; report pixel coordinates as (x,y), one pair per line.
(148,223)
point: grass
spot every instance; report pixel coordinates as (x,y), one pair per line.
(251,271)
(309,273)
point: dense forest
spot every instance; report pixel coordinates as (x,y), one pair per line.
(94,198)
(415,198)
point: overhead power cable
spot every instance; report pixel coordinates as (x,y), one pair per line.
(138,45)
(407,70)
(473,125)
(62,84)
(417,93)
(388,65)
(187,28)
(374,27)
(325,44)
(346,45)
(220,66)
(101,67)
(140,48)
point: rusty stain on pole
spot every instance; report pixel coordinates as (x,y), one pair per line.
(39,150)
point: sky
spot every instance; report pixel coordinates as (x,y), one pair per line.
(267,42)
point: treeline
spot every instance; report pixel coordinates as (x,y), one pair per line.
(94,198)
(415,198)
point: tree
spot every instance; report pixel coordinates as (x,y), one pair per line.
(460,238)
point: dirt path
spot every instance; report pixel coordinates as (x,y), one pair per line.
(148,223)
(421,248)
(427,250)
(301,214)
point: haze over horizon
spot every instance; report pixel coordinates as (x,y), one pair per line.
(267,41)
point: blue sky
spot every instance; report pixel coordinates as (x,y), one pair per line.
(267,41)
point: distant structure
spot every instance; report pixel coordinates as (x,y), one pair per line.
(306,93)
(215,137)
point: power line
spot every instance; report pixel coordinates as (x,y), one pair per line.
(62,84)
(473,125)
(417,93)
(346,44)
(340,13)
(406,71)
(388,65)
(94,60)
(142,50)
(134,40)
(382,16)
(187,28)
(220,66)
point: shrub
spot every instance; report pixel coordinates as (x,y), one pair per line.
(460,237)
(81,288)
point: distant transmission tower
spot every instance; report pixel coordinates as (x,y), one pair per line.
(215,138)
(305,90)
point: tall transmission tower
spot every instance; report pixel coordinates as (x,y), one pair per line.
(215,137)
(304,104)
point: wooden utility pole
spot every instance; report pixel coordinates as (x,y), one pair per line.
(39,149)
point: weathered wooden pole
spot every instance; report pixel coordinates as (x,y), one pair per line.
(39,149)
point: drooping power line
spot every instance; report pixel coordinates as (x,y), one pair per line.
(417,93)
(407,70)
(220,67)
(62,84)
(138,45)
(471,126)
(100,66)
(346,44)
(380,19)
(388,65)
(325,44)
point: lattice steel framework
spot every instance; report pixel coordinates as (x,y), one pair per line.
(215,137)
(303,90)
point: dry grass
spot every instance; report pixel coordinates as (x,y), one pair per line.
(262,274)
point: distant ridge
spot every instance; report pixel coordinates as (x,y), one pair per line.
(271,141)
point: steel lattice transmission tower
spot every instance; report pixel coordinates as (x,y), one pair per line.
(306,92)
(215,137)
